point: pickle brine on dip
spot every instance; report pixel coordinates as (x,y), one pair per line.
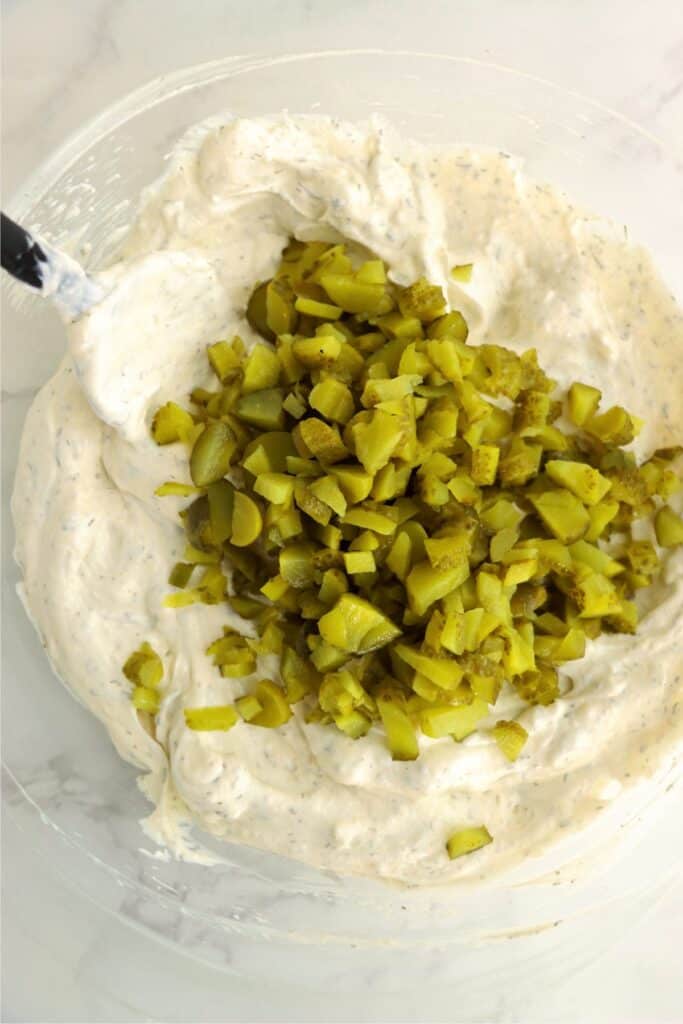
(354,509)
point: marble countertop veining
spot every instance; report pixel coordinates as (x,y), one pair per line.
(61,64)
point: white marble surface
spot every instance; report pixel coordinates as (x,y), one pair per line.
(62,958)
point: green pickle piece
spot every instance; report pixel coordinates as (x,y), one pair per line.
(144,667)
(217,718)
(562,513)
(247,521)
(275,710)
(172,423)
(467,840)
(400,731)
(668,527)
(261,369)
(356,626)
(145,699)
(262,409)
(212,453)
(404,522)
(510,737)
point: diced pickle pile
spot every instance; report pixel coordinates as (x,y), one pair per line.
(400,515)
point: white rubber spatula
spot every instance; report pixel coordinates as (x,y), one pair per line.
(47,270)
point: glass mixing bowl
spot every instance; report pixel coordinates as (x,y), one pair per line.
(67,790)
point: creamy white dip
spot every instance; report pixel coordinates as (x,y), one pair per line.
(95,544)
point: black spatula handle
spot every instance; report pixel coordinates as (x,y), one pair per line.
(22,256)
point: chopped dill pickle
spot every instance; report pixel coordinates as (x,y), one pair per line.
(401,519)
(425,584)
(196,519)
(484,463)
(317,510)
(275,710)
(624,621)
(221,501)
(275,589)
(462,272)
(369,519)
(145,699)
(246,520)
(172,423)
(520,463)
(444,672)
(356,626)
(248,707)
(501,515)
(277,488)
(320,440)
(399,729)
(211,719)
(595,559)
(353,481)
(456,720)
(324,656)
(298,674)
(583,403)
(583,481)
(390,482)
(225,358)
(181,599)
(434,492)
(502,542)
(180,574)
(376,440)
(615,426)
(333,400)
(144,667)
(354,723)
(642,557)
(532,409)
(519,656)
(520,572)
(451,325)
(354,296)
(594,594)
(247,607)
(268,453)
(318,352)
(510,737)
(538,687)
(372,272)
(212,585)
(468,840)
(562,513)
(359,561)
(668,527)
(327,490)
(321,310)
(256,312)
(627,485)
(422,300)
(212,453)
(296,564)
(280,313)
(198,557)
(443,355)
(601,515)
(261,369)
(294,405)
(172,487)
(262,409)
(333,585)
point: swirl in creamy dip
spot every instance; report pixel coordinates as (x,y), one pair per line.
(95,544)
